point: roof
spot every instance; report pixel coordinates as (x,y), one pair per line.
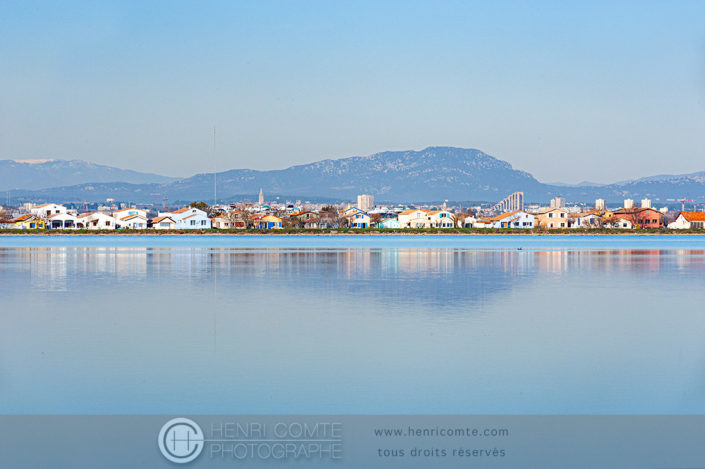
(159,219)
(61,215)
(693,216)
(409,212)
(22,218)
(84,215)
(43,205)
(126,209)
(129,217)
(499,217)
(553,210)
(182,210)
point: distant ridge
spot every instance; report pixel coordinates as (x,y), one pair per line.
(42,173)
(430,175)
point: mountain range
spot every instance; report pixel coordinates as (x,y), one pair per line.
(430,175)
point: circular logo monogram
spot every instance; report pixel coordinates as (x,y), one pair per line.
(181,440)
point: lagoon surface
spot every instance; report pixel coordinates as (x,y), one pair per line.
(352,324)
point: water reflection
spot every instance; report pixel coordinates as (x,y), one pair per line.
(387,330)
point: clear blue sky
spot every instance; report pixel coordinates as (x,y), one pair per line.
(601,91)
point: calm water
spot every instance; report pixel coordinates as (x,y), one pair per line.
(352,325)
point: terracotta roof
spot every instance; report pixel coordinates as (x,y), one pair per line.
(61,214)
(84,215)
(409,212)
(159,219)
(693,216)
(21,218)
(43,205)
(182,210)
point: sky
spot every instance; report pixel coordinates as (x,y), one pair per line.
(603,91)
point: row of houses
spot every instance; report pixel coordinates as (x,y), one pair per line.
(56,216)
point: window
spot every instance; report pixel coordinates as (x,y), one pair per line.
(203,222)
(550,215)
(193,222)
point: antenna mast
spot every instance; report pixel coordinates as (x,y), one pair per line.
(215,186)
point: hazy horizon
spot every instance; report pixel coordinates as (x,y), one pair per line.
(601,92)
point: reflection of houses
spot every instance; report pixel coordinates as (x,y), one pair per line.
(62,221)
(513,220)
(552,219)
(688,221)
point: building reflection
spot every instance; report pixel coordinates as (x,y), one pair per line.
(396,271)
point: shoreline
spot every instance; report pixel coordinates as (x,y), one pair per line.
(333,233)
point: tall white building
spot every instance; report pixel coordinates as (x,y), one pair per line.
(261,196)
(628,203)
(557,202)
(600,204)
(365,202)
(645,203)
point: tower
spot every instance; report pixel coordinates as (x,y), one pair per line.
(261,196)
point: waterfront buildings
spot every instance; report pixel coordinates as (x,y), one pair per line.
(688,221)
(189,218)
(514,220)
(552,218)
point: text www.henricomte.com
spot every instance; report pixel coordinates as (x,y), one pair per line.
(444,432)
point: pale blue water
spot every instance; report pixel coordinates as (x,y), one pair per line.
(435,325)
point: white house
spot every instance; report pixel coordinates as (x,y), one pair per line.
(357,218)
(584,220)
(133,222)
(414,218)
(469,222)
(62,221)
(189,218)
(617,222)
(163,223)
(514,220)
(389,223)
(688,220)
(120,214)
(97,221)
(441,219)
(46,210)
